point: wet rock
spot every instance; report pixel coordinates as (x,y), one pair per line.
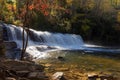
(22,70)
(58,76)
(2,72)
(51,47)
(37,75)
(61,58)
(106,77)
(62,69)
(23,66)
(79,74)
(22,73)
(4,30)
(2,49)
(44,48)
(23,79)
(12,52)
(98,79)
(10,78)
(10,44)
(92,76)
(47,65)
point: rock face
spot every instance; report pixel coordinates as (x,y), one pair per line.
(12,51)
(37,75)
(10,45)
(1,32)
(10,78)
(1,42)
(23,66)
(12,70)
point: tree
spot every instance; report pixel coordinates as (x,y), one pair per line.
(26,12)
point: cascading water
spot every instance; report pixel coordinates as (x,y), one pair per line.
(42,42)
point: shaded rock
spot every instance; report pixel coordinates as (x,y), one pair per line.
(61,58)
(2,47)
(2,72)
(4,30)
(58,76)
(92,76)
(37,75)
(106,77)
(10,73)
(10,44)
(12,51)
(22,73)
(22,70)
(23,66)
(23,79)
(10,78)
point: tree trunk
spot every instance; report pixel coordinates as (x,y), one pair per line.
(23,39)
(25,26)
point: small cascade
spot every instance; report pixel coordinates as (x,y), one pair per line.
(57,39)
(41,42)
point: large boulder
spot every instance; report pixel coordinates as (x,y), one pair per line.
(12,51)
(12,70)
(23,66)
(10,45)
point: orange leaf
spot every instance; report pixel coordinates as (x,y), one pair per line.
(31,7)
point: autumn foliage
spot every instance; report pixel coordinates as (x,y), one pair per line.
(85,17)
(35,5)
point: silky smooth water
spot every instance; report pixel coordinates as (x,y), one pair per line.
(42,42)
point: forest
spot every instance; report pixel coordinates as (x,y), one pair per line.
(96,21)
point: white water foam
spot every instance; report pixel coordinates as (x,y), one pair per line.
(42,42)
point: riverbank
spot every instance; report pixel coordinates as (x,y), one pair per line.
(70,64)
(80,66)
(60,68)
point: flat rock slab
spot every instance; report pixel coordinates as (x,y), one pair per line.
(37,76)
(10,78)
(23,66)
(57,75)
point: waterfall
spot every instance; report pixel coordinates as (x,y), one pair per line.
(43,41)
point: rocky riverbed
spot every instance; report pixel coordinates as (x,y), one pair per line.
(24,70)
(61,66)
